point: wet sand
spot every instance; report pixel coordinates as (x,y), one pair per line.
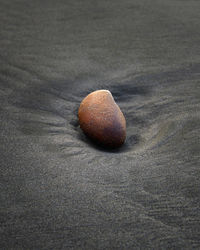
(58,190)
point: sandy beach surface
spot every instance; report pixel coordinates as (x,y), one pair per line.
(58,190)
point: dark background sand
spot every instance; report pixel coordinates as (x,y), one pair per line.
(59,191)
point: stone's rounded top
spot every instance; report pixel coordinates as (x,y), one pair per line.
(97,96)
(100,91)
(101,119)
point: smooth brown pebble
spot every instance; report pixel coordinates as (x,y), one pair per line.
(101,119)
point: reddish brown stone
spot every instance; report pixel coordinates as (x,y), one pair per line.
(101,119)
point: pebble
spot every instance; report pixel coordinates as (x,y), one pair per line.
(101,119)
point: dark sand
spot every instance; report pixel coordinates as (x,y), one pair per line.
(57,189)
